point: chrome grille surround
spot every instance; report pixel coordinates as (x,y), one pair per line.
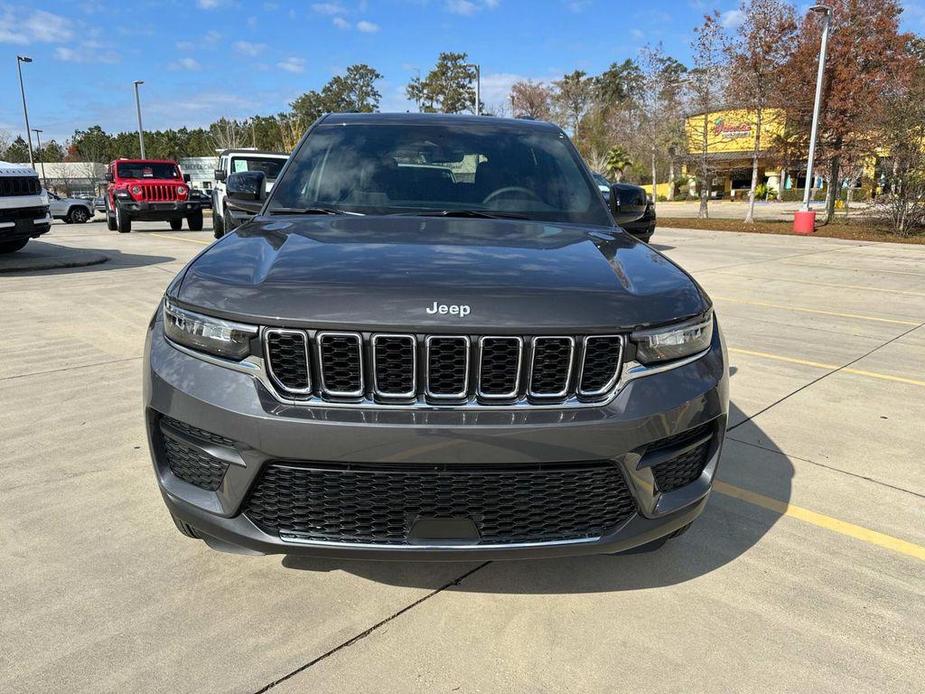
(322,340)
(428,355)
(466,385)
(587,341)
(279,382)
(538,345)
(378,389)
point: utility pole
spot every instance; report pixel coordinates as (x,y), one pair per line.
(38,138)
(141,132)
(826,11)
(478,88)
(20,59)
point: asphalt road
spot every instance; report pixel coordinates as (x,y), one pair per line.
(806,572)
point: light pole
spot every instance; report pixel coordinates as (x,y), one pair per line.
(826,12)
(20,59)
(478,88)
(141,132)
(38,139)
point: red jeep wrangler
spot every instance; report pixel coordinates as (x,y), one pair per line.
(149,190)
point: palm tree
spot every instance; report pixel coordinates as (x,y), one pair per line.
(616,162)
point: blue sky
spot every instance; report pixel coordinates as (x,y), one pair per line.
(201,59)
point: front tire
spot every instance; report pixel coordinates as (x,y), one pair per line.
(218,224)
(176,224)
(110,219)
(123,223)
(12,246)
(78,215)
(195,221)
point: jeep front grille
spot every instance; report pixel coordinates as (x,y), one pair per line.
(19,185)
(158,192)
(441,370)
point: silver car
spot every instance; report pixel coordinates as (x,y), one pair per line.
(71,210)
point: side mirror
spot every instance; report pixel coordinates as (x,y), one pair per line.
(186,178)
(109,177)
(246,191)
(627,202)
(219,174)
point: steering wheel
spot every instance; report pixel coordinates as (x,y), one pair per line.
(510,189)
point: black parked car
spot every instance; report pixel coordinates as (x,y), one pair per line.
(433,342)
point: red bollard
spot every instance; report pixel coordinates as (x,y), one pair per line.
(804,221)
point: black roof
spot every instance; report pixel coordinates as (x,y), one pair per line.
(438,119)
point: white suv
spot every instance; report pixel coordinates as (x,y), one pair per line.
(233,161)
(23,207)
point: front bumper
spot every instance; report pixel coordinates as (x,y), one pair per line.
(158,211)
(237,406)
(15,227)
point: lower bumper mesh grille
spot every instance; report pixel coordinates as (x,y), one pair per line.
(189,463)
(685,467)
(379,505)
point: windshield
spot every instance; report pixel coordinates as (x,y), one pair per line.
(270,167)
(601,181)
(412,168)
(147,170)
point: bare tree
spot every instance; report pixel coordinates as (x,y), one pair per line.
(705,89)
(902,202)
(228,134)
(532,100)
(572,98)
(757,62)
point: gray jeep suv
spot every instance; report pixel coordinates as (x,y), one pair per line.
(433,342)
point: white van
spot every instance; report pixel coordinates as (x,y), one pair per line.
(23,207)
(233,161)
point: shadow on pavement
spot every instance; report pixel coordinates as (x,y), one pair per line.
(727,529)
(39,250)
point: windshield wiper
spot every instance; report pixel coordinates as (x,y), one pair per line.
(475,214)
(310,210)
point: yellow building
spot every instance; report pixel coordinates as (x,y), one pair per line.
(728,140)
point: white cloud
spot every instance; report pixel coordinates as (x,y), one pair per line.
(87,52)
(20,26)
(292,64)
(190,64)
(329,8)
(467,8)
(732,19)
(212,37)
(341,23)
(248,48)
(463,7)
(185,45)
(208,4)
(367,27)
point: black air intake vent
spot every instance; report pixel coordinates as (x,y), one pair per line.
(551,370)
(448,367)
(601,365)
(394,366)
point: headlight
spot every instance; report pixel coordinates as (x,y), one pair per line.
(135,190)
(673,341)
(181,191)
(207,334)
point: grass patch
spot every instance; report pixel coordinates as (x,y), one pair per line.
(854,230)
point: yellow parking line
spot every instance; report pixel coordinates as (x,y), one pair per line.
(834,524)
(820,365)
(803,309)
(180,238)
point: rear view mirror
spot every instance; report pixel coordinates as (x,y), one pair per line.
(187,178)
(108,177)
(219,174)
(246,190)
(627,202)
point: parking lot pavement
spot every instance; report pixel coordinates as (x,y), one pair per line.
(807,570)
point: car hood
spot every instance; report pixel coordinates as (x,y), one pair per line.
(385,272)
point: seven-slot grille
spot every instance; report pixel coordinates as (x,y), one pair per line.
(446,370)
(158,192)
(19,185)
